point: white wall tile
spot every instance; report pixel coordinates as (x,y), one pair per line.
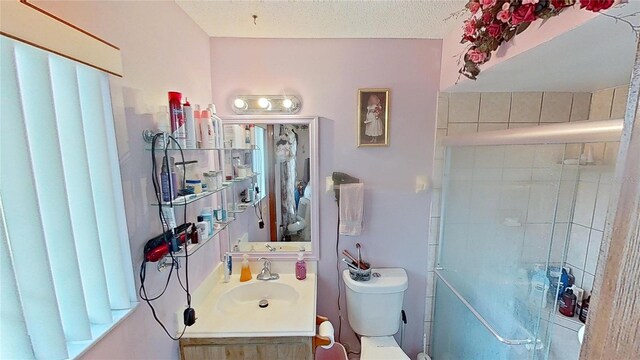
(587,283)
(578,244)
(434,231)
(593,251)
(556,107)
(443,110)
(438,165)
(513,125)
(542,201)
(559,242)
(464,107)
(436,196)
(602,206)
(611,153)
(440,134)
(516,174)
(462,128)
(525,107)
(536,242)
(619,102)
(585,203)
(492,126)
(564,344)
(519,156)
(601,105)
(431,281)
(494,107)
(432,251)
(580,106)
(428,306)
(548,155)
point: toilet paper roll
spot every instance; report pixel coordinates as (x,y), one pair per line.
(326,329)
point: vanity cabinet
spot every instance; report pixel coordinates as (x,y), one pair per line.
(256,348)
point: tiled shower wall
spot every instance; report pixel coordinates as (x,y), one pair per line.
(460,113)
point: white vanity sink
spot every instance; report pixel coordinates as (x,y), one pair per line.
(245,298)
(232,309)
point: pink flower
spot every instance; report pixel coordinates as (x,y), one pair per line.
(474,7)
(470,27)
(525,13)
(488,3)
(506,6)
(524,2)
(503,15)
(494,30)
(476,56)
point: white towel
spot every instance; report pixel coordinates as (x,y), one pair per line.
(351,209)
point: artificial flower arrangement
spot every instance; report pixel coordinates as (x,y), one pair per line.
(494,22)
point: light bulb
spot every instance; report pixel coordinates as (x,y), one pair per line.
(263,103)
(287,103)
(239,103)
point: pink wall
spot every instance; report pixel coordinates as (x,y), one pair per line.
(327,75)
(539,32)
(162,50)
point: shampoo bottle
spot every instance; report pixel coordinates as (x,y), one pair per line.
(568,303)
(301,267)
(539,288)
(190,123)
(245,273)
(205,129)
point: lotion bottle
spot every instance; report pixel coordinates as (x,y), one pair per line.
(245,273)
(301,267)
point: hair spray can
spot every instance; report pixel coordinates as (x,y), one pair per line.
(178,126)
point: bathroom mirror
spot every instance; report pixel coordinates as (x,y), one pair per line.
(278,208)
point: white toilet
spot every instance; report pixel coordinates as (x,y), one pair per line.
(374,308)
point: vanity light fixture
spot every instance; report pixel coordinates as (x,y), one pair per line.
(266,104)
(239,104)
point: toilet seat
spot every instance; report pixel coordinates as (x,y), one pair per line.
(381,348)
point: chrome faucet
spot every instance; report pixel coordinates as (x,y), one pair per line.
(271,248)
(266,273)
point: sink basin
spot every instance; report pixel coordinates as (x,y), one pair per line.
(282,307)
(245,298)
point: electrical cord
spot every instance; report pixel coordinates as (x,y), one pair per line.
(338,277)
(156,186)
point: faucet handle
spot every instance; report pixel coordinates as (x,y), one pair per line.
(267,263)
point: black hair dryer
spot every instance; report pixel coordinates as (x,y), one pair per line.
(340,178)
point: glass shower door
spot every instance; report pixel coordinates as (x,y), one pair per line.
(506,211)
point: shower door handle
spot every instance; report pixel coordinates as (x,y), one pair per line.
(480,318)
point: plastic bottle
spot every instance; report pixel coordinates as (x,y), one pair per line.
(301,267)
(178,130)
(206,129)
(539,288)
(217,125)
(165,182)
(190,124)
(245,273)
(247,137)
(568,303)
(584,310)
(252,134)
(228,267)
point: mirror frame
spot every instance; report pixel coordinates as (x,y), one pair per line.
(312,122)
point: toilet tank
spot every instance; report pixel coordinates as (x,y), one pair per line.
(374,306)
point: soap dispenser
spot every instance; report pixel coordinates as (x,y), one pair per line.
(245,273)
(301,267)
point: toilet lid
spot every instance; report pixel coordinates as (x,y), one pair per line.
(381,348)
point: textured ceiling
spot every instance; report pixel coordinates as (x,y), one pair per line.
(325,19)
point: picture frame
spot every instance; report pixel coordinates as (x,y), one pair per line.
(373,117)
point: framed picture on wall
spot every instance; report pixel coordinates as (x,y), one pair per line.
(373,117)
